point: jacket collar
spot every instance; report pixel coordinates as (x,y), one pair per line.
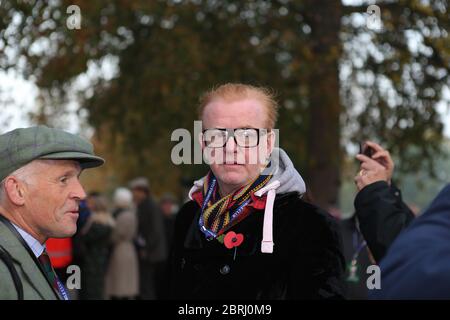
(33,243)
(31,271)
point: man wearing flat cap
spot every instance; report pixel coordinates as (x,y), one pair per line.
(39,196)
(151,240)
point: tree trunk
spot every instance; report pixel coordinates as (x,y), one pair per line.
(324,150)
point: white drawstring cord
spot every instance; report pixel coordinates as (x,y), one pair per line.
(267,241)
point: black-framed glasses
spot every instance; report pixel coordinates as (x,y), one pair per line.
(243,137)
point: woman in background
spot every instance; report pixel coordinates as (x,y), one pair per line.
(122,278)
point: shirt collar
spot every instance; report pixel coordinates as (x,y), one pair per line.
(34,244)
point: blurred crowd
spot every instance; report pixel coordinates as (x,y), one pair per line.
(121,246)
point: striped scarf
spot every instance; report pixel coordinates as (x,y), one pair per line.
(220,214)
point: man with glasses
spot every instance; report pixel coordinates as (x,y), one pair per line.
(247,233)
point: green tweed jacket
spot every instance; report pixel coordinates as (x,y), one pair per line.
(35,286)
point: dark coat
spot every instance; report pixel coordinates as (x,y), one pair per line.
(96,241)
(151,230)
(382,215)
(307,261)
(417,264)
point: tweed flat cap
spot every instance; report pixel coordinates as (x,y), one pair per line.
(21,146)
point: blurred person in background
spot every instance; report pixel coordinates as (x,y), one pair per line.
(95,237)
(357,259)
(169,208)
(379,208)
(122,276)
(357,256)
(151,239)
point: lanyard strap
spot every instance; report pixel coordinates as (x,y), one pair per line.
(357,246)
(62,289)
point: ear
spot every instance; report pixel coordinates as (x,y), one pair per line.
(270,141)
(200,140)
(15,191)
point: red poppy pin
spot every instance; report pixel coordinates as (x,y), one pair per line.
(232,239)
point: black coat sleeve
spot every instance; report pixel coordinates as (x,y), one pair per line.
(382,215)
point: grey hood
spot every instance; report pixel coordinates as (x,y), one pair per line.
(289,178)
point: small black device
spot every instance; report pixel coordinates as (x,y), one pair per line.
(366,150)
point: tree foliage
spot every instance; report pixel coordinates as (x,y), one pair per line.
(337,80)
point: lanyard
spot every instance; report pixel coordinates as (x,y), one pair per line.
(209,234)
(357,246)
(62,289)
(59,294)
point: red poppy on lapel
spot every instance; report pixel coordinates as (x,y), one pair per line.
(232,239)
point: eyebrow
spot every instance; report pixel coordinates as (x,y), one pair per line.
(72,172)
(240,127)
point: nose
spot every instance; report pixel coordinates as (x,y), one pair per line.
(78,191)
(230,150)
(230,145)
